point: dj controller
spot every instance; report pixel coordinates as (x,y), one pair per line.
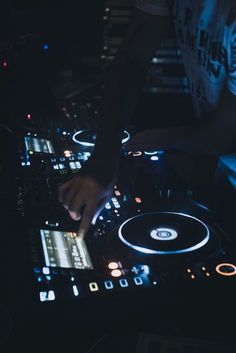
(156,242)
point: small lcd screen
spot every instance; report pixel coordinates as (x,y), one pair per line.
(64,249)
(36,144)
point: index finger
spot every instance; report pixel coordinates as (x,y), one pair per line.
(89,213)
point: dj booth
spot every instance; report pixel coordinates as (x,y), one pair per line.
(162,253)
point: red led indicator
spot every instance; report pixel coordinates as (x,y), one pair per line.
(4,64)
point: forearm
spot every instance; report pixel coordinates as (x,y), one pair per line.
(126,80)
(217,136)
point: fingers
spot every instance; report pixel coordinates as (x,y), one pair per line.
(62,189)
(99,209)
(87,219)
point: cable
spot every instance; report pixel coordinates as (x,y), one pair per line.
(96,343)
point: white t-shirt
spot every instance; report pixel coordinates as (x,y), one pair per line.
(207,44)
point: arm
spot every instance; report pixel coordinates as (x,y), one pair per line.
(93,185)
(214,137)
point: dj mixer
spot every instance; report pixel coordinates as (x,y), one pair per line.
(157,247)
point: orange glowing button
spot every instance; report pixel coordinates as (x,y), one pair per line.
(117,193)
(116,273)
(226,269)
(113,265)
(67,153)
(138,200)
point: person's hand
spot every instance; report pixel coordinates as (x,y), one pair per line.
(84,191)
(147,140)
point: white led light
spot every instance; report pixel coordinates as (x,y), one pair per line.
(45,270)
(167,252)
(93,287)
(164,234)
(91,144)
(75,290)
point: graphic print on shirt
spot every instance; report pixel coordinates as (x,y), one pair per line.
(201,35)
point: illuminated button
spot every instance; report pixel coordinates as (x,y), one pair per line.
(40,278)
(107,206)
(192,276)
(47,296)
(123,283)
(93,287)
(113,265)
(37,270)
(138,281)
(154,158)
(108,285)
(117,192)
(226,269)
(48,278)
(135,154)
(116,273)
(46,270)
(75,290)
(138,200)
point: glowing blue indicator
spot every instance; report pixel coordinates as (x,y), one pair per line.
(138,281)
(48,278)
(154,158)
(123,283)
(40,279)
(45,46)
(37,270)
(75,290)
(150,153)
(108,285)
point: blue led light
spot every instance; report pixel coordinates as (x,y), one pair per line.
(123,283)
(154,158)
(167,252)
(138,281)
(45,46)
(108,285)
(150,153)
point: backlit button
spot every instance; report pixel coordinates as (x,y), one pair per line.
(226,269)
(47,296)
(75,290)
(93,287)
(113,265)
(123,283)
(46,271)
(138,200)
(108,284)
(116,273)
(138,281)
